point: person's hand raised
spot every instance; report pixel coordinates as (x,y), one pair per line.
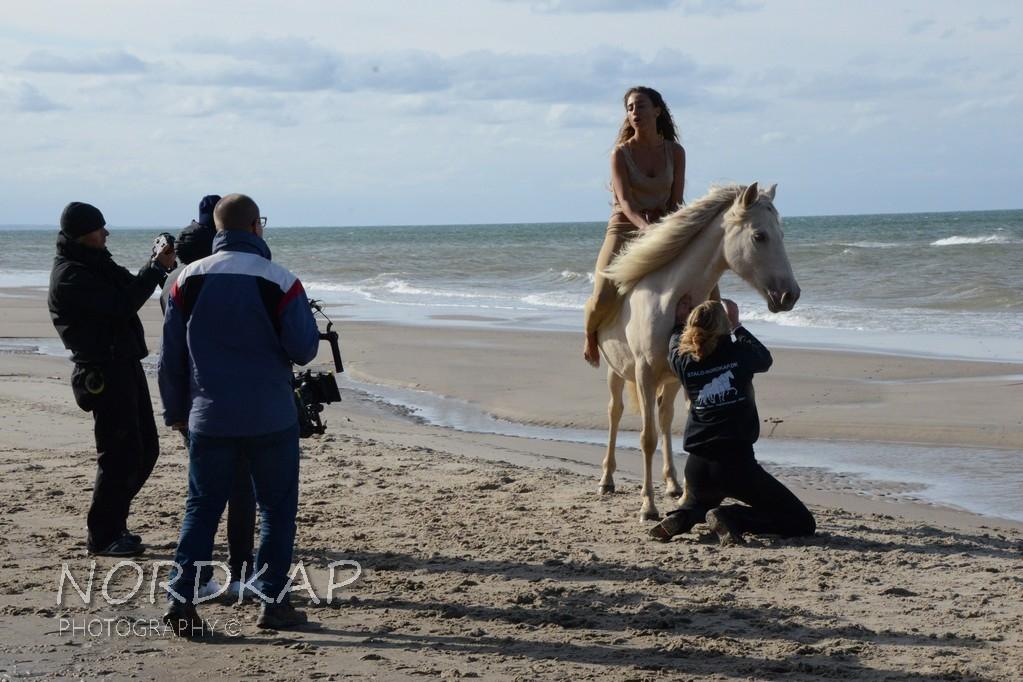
(166,258)
(732,309)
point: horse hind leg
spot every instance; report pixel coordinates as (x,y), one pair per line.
(665,413)
(615,408)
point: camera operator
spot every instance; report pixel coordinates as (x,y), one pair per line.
(94,306)
(228,381)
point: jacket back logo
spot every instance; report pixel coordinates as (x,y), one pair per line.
(718,391)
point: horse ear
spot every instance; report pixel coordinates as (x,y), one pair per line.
(771,190)
(750,195)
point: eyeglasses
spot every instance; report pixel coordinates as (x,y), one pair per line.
(262,221)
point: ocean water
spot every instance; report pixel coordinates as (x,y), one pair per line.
(935,284)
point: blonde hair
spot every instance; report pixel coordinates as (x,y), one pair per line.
(707,324)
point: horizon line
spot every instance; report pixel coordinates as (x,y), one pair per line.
(44,226)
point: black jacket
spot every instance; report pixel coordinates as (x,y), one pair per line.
(720,389)
(195,242)
(94,303)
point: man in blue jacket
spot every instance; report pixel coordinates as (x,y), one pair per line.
(234,325)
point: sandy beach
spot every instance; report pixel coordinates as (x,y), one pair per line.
(492,556)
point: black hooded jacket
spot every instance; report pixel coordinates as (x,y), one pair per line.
(720,389)
(195,242)
(94,303)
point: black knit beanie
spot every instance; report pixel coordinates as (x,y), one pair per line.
(79,219)
(206,206)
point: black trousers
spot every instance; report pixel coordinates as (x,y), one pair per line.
(127,447)
(730,469)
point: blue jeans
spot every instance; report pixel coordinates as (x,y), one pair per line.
(212,461)
(241,527)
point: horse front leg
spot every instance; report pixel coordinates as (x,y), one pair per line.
(615,407)
(665,413)
(647,388)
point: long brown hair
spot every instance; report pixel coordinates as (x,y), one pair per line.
(707,324)
(665,123)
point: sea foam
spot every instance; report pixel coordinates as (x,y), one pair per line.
(956,240)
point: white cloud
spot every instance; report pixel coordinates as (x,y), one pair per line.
(1010,102)
(574,116)
(24,97)
(231,103)
(920,26)
(297,66)
(118,62)
(858,86)
(774,136)
(713,7)
(991,24)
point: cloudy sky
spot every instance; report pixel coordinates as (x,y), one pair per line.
(454,111)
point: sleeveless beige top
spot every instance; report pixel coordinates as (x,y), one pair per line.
(649,193)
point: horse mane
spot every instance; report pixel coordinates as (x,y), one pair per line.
(657,247)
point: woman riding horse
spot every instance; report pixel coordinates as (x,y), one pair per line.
(648,169)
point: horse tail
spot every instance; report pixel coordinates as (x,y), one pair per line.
(632,396)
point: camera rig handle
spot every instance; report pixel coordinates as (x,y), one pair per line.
(331,337)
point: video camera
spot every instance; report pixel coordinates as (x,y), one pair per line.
(313,390)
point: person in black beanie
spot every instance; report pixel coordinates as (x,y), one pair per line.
(194,242)
(94,306)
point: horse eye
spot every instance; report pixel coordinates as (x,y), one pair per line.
(759,236)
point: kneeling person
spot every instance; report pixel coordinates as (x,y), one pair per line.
(717,375)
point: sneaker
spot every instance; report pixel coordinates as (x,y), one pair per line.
(234,593)
(137,539)
(122,546)
(726,531)
(281,617)
(672,525)
(211,588)
(185,621)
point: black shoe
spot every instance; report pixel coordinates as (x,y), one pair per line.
(122,546)
(137,539)
(185,621)
(726,531)
(672,525)
(281,617)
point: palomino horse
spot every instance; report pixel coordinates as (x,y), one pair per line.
(732,228)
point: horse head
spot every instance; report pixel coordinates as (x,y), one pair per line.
(753,248)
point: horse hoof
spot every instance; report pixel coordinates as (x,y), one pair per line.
(651,515)
(674,492)
(607,489)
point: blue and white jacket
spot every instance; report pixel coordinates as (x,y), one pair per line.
(235,323)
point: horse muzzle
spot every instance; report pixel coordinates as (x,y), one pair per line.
(781,300)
